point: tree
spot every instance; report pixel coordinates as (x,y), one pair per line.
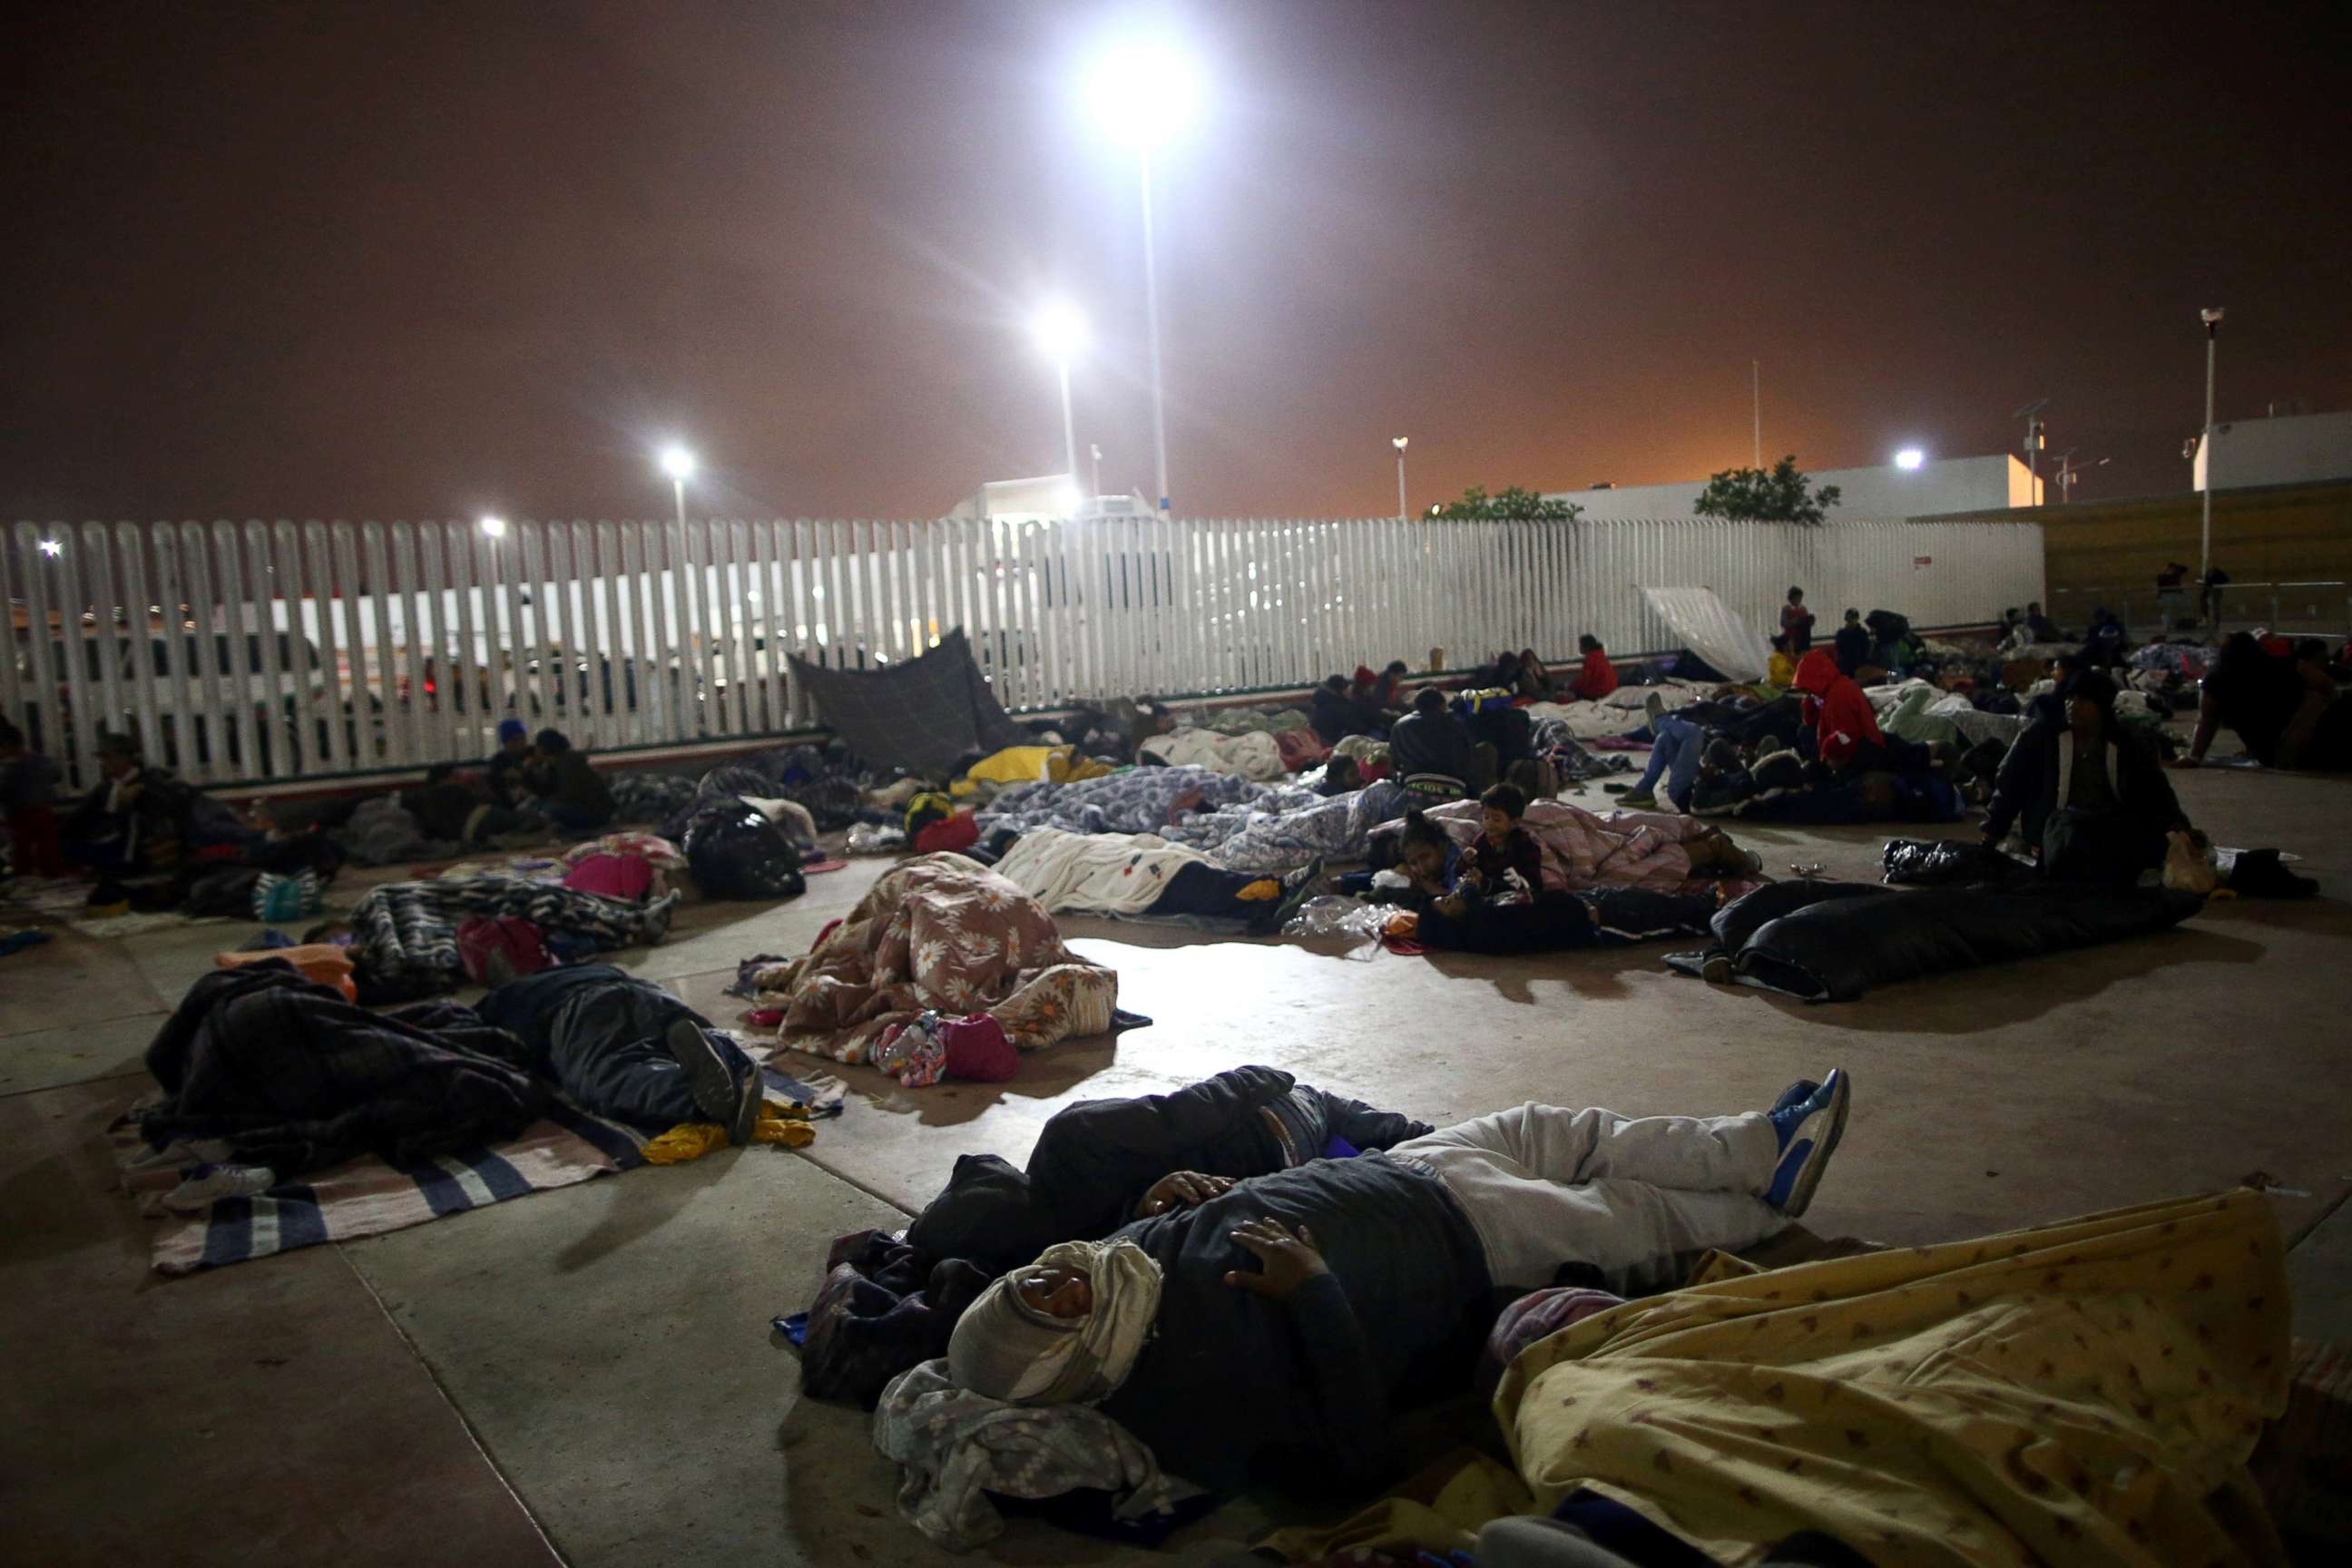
(1514,505)
(1751,495)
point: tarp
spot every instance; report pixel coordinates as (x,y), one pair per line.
(921,716)
(1711,630)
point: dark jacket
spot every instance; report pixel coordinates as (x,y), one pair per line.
(1235,1387)
(570,778)
(442,810)
(2026,783)
(1432,743)
(1853,648)
(507,774)
(1336,716)
(1095,1160)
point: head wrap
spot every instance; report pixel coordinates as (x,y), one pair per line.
(512,729)
(1005,1349)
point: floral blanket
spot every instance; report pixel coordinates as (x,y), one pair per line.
(1289,828)
(1583,850)
(1141,800)
(939,932)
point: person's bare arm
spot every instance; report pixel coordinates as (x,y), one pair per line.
(2208,720)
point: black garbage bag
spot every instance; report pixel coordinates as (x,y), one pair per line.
(736,778)
(736,853)
(1944,862)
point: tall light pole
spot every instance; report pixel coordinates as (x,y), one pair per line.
(1060,332)
(1398,442)
(1143,94)
(1097,449)
(679,464)
(2212,320)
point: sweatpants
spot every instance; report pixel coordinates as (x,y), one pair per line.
(1634,1198)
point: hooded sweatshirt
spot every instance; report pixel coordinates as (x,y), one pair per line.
(1842,719)
(1598,678)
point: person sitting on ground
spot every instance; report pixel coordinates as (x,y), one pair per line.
(1430,751)
(572,794)
(1388,691)
(2287,713)
(2103,645)
(1503,864)
(1796,623)
(1845,726)
(2090,797)
(509,767)
(2039,625)
(1336,715)
(1534,681)
(446,808)
(1100,1164)
(1265,1332)
(1851,646)
(1780,670)
(28,786)
(626,1048)
(139,818)
(1678,747)
(1598,678)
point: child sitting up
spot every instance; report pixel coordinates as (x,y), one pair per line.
(1502,865)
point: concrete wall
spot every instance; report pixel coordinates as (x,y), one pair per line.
(2292,449)
(1882,492)
(2109,552)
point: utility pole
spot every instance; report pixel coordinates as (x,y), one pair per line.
(1756,404)
(2212,320)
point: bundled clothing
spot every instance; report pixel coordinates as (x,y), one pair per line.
(1291,829)
(1116,874)
(598,1032)
(452,812)
(295,1077)
(1251,755)
(1094,1161)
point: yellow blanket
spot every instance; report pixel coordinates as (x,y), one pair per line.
(2084,1392)
(1023,764)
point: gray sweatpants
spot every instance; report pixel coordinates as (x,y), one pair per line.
(1544,1185)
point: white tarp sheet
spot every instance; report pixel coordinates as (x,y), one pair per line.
(1711,630)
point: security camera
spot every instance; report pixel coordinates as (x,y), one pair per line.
(2210,317)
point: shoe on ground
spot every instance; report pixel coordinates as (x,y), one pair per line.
(1716,969)
(1641,798)
(1656,707)
(1809,1131)
(719,1093)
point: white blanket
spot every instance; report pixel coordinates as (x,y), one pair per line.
(1113,873)
(1253,755)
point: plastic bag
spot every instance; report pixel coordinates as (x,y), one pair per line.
(872,838)
(1328,915)
(1941,862)
(735,852)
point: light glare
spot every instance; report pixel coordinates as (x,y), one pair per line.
(1909,458)
(494,528)
(52,548)
(1060,329)
(677,462)
(1144,93)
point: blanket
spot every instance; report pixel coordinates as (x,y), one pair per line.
(1585,849)
(937,931)
(955,1448)
(922,716)
(1290,828)
(1253,755)
(370,1196)
(1117,874)
(293,1076)
(1141,800)
(2084,1391)
(404,934)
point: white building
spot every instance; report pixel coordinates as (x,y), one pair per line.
(2289,449)
(1882,493)
(1051,498)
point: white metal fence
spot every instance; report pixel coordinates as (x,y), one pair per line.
(257,651)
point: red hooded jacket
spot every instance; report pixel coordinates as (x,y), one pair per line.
(1598,678)
(1841,717)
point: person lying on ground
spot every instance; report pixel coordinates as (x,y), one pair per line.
(1678,747)
(2089,795)
(139,818)
(1100,1164)
(1342,775)
(1266,1332)
(626,1048)
(1334,714)
(2286,713)
(1852,644)
(1597,678)
(447,809)
(508,771)
(1430,750)
(572,794)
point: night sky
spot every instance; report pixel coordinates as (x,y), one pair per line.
(397,259)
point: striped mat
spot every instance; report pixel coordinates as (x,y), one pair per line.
(371,1197)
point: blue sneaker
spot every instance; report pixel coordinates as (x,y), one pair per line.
(1796,1093)
(1808,1130)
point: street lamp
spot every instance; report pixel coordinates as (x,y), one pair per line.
(679,464)
(494,528)
(1096,449)
(1910,458)
(2211,317)
(1398,442)
(53,548)
(1144,94)
(1060,333)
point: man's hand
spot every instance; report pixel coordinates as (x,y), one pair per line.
(1182,1190)
(1287,1258)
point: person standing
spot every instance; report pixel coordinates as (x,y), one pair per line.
(1853,642)
(1797,623)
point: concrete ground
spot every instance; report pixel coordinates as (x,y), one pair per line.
(588,1375)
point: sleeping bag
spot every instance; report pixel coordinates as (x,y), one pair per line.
(735,852)
(1832,942)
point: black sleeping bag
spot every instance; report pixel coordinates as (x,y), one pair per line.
(735,852)
(1558,923)
(1832,942)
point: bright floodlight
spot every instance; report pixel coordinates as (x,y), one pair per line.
(1060,329)
(494,528)
(1398,442)
(1069,498)
(678,462)
(1909,458)
(1144,93)
(52,548)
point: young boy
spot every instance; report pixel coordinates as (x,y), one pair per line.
(28,786)
(1503,847)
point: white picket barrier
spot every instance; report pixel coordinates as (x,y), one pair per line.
(276,651)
